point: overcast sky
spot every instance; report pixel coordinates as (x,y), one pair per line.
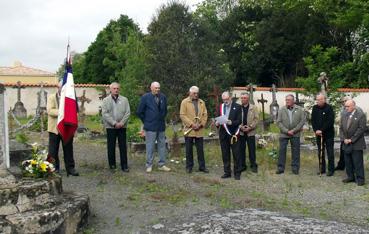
(35,32)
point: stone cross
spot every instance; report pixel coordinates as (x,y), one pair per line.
(41,98)
(215,94)
(234,98)
(19,86)
(323,80)
(83,99)
(5,176)
(298,102)
(274,107)
(251,90)
(263,101)
(81,123)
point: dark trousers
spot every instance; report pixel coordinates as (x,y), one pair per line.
(112,135)
(355,165)
(341,161)
(295,151)
(199,143)
(328,145)
(250,141)
(226,146)
(54,142)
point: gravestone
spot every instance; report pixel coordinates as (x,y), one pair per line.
(265,124)
(274,107)
(19,110)
(323,80)
(81,114)
(251,90)
(5,176)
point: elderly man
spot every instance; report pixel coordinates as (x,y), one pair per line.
(291,119)
(55,138)
(194,116)
(249,121)
(322,118)
(115,113)
(352,128)
(152,111)
(229,136)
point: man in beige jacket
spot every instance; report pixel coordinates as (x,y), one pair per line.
(250,118)
(194,116)
(55,138)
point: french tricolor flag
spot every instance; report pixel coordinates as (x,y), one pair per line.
(67,117)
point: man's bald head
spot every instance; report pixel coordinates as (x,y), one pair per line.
(350,105)
(155,87)
(321,99)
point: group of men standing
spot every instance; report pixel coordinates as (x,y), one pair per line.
(237,128)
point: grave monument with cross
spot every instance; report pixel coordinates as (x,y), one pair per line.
(19,110)
(263,101)
(274,107)
(82,115)
(251,90)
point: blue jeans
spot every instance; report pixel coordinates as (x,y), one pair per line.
(151,139)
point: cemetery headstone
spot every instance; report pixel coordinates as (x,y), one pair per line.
(263,101)
(19,110)
(82,115)
(251,90)
(274,107)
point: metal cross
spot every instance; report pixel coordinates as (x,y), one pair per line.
(19,86)
(263,101)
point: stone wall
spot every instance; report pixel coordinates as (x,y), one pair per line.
(361,96)
(29,96)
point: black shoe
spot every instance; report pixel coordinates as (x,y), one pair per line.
(189,170)
(279,172)
(237,177)
(339,168)
(72,172)
(320,173)
(125,169)
(204,170)
(295,172)
(360,183)
(254,169)
(243,168)
(348,180)
(225,176)
(113,167)
(330,173)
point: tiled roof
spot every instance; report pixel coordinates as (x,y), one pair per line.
(19,70)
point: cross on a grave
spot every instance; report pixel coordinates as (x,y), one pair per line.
(82,99)
(298,102)
(215,94)
(251,90)
(263,101)
(234,98)
(19,86)
(274,107)
(42,98)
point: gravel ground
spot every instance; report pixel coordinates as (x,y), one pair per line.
(135,202)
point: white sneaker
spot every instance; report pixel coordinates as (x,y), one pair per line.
(149,169)
(164,168)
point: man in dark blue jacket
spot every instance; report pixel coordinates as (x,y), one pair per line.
(152,111)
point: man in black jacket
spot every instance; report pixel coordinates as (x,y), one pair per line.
(229,136)
(323,125)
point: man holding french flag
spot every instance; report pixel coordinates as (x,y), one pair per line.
(62,119)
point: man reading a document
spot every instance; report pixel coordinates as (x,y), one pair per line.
(228,123)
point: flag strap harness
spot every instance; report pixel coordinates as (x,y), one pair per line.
(233,137)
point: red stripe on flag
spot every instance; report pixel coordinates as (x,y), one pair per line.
(69,124)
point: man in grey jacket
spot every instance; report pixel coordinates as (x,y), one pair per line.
(291,119)
(352,128)
(115,113)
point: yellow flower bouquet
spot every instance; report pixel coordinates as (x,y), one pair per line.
(40,165)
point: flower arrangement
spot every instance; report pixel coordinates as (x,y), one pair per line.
(40,165)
